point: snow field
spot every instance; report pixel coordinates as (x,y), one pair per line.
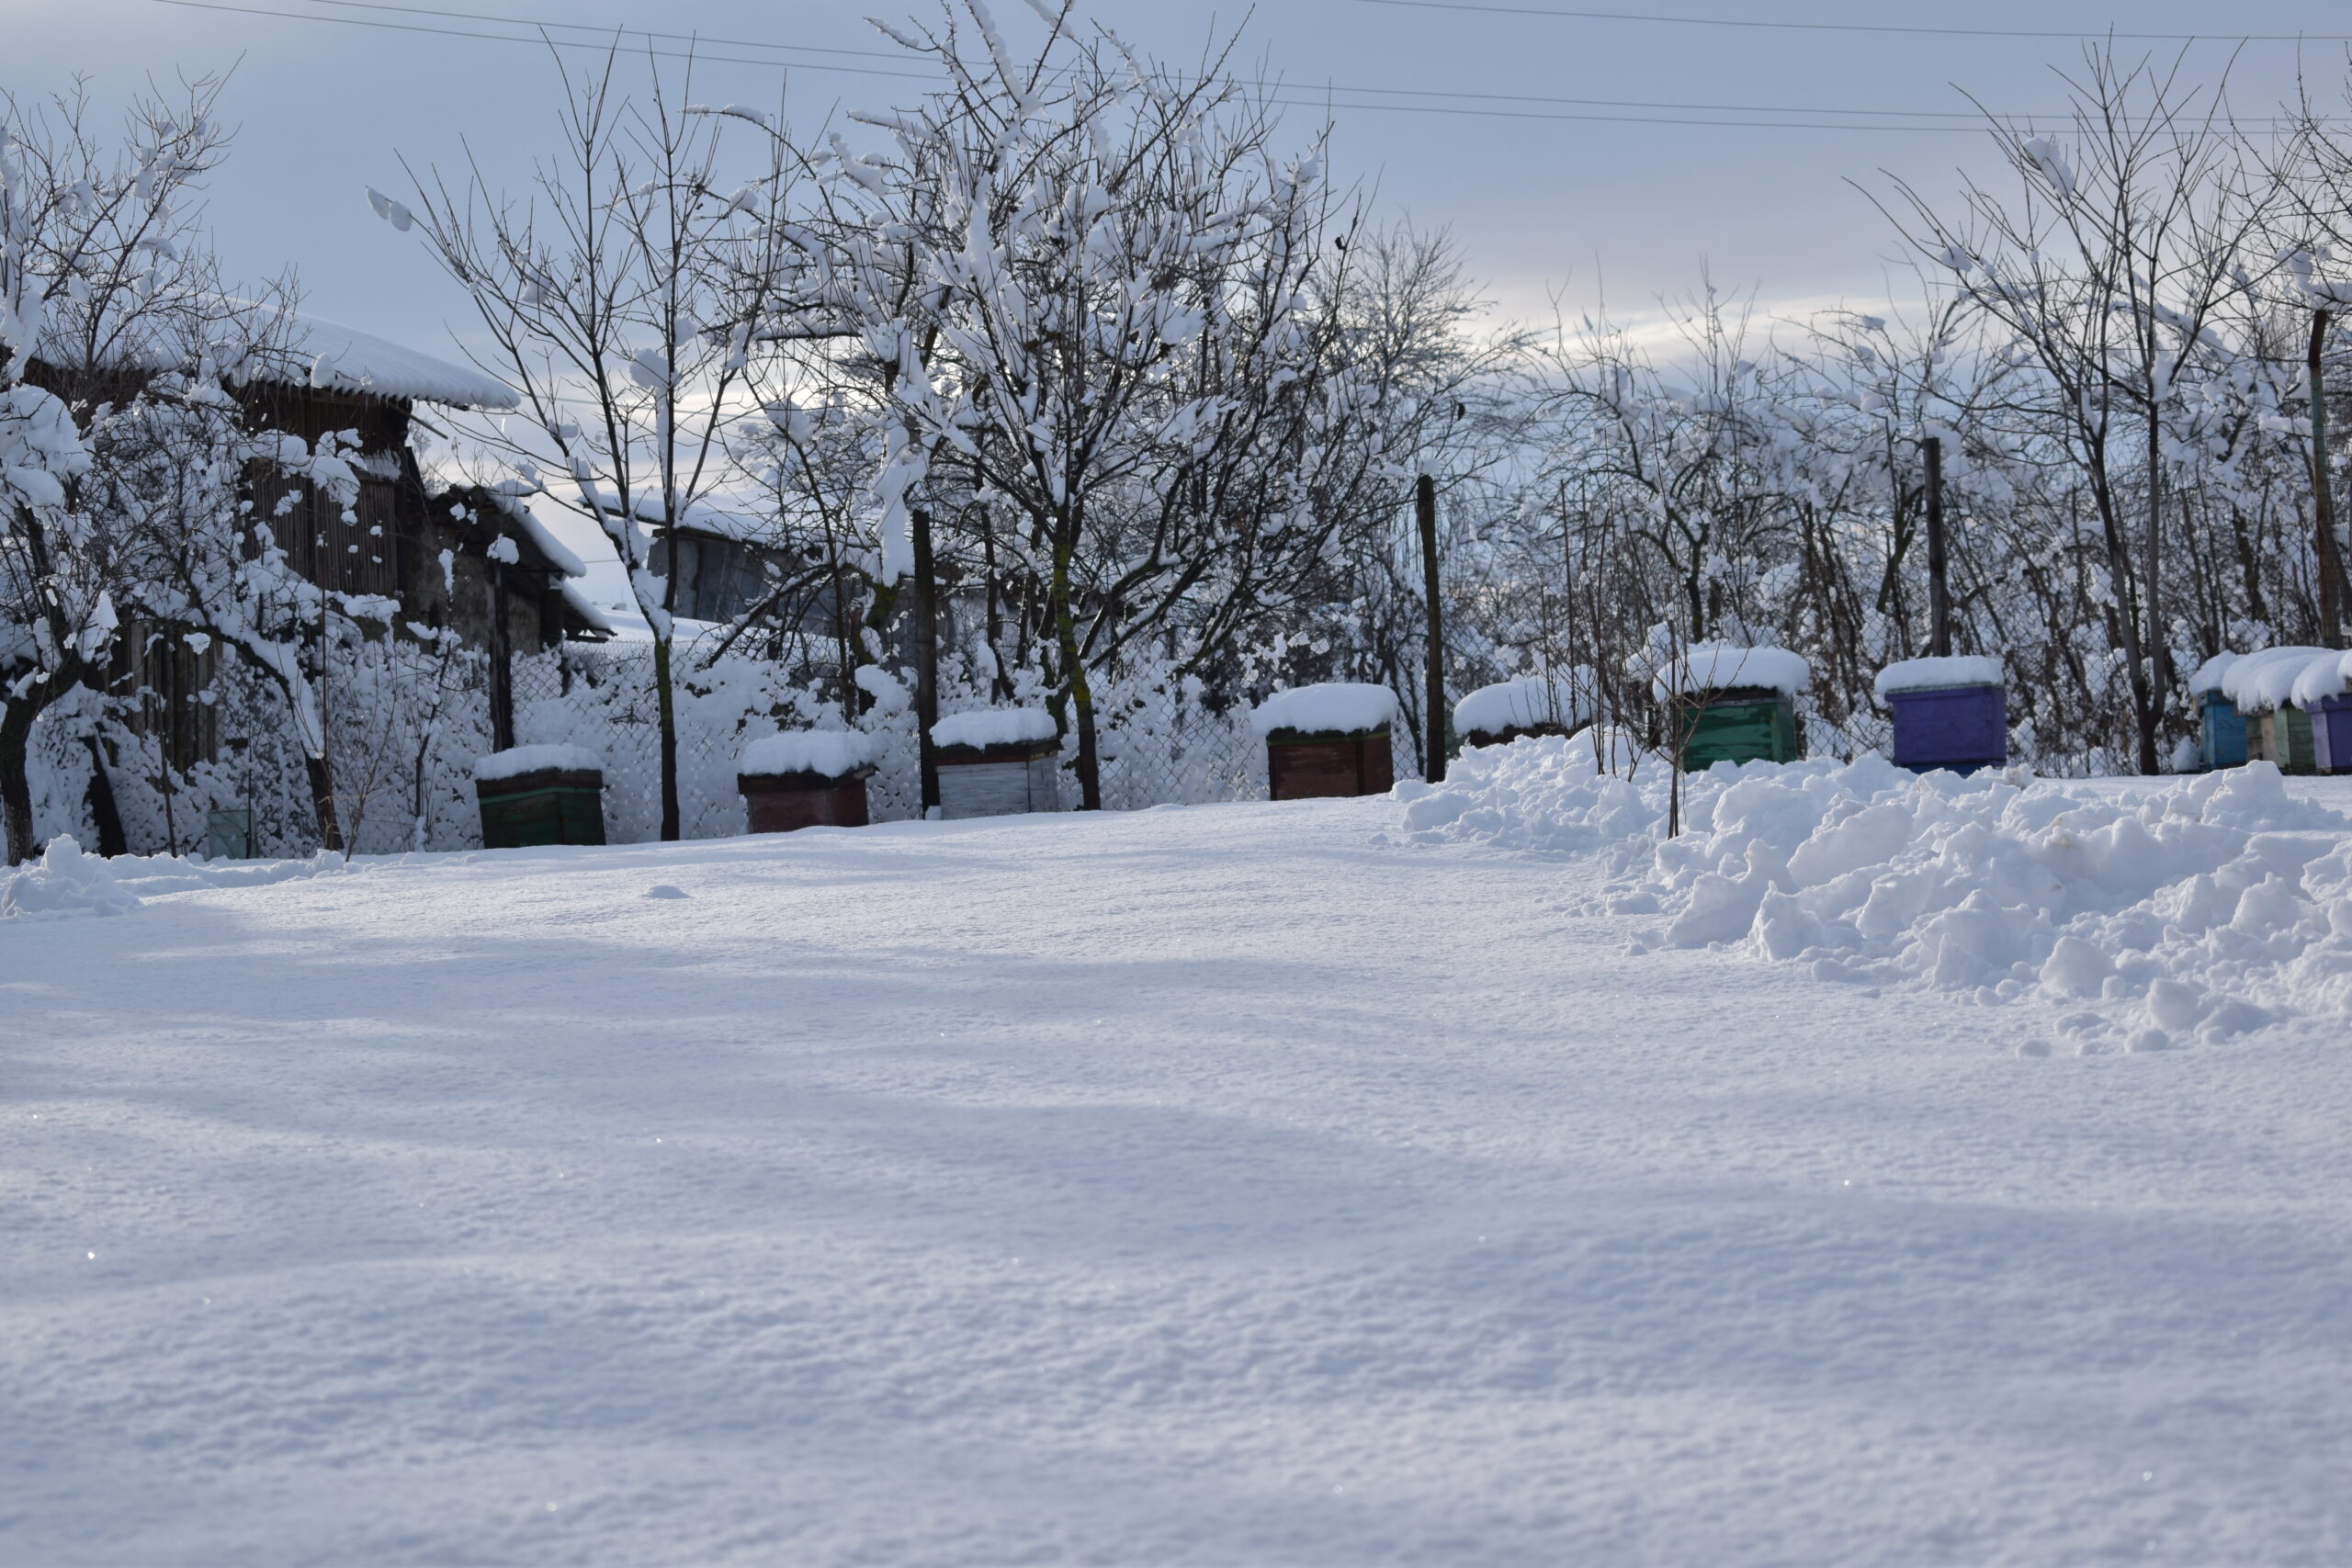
(1216,1185)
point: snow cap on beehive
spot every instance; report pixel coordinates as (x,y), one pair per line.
(1525,703)
(2260,682)
(833,754)
(983,728)
(1934,674)
(1335,707)
(1718,667)
(518,759)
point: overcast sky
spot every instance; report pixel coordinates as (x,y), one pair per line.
(327,107)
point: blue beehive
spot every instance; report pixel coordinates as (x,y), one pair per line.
(2220,739)
(1949,713)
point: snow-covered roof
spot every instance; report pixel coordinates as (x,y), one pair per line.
(700,516)
(586,608)
(1719,667)
(1927,674)
(1525,703)
(994,726)
(266,344)
(2260,682)
(509,495)
(313,352)
(1340,707)
(830,752)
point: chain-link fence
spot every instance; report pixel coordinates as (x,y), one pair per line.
(1161,741)
(405,725)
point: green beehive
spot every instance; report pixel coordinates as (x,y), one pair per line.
(1742,725)
(2283,736)
(540,795)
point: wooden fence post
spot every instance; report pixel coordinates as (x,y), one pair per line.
(1939,569)
(1433,723)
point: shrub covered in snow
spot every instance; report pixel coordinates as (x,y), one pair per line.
(1340,707)
(2202,907)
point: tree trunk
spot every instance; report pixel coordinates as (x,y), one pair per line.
(926,651)
(669,714)
(15,787)
(1081,696)
(99,798)
(2152,710)
(322,802)
(2330,561)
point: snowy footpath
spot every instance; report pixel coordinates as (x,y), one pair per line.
(1881,1174)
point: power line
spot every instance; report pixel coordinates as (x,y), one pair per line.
(1285,96)
(510,38)
(899,55)
(1970,118)
(1973,119)
(1862,26)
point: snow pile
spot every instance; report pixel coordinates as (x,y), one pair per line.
(1931,674)
(1523,703)
(519,759)
(994,726)
(2205,907)
(2260,682)
(63,883)
(830,752)
(1713,667)
(1345,707)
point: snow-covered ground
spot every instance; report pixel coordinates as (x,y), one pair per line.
(1331,1182)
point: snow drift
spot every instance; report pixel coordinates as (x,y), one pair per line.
(63,883)
(2202,908)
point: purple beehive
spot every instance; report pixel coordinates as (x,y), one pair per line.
(1959,728)
(2332,735)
